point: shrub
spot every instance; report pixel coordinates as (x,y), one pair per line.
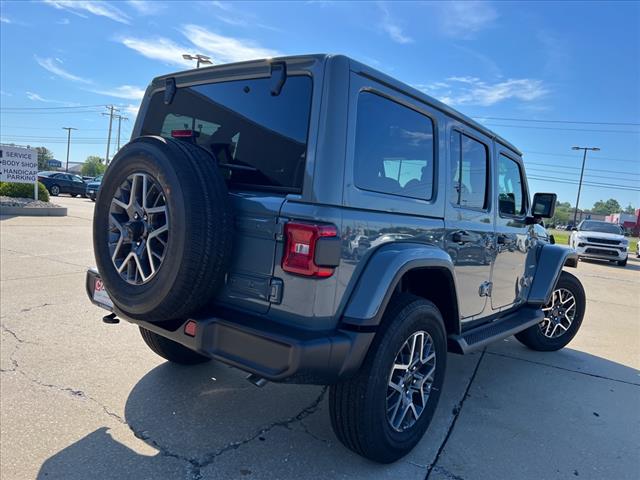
(23,190)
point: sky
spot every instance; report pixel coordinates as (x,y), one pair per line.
(544,75)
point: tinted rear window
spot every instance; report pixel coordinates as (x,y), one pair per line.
(259,138)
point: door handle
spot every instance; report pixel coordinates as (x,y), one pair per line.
(461,237)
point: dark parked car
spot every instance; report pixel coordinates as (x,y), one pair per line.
(93,187)
(293,217)
(60,182)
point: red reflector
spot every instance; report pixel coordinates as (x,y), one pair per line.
(190,328)
(182,133)
(300,248)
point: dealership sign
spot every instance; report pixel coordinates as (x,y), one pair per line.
(18,164)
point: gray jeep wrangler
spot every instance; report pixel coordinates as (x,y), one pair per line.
(309,219)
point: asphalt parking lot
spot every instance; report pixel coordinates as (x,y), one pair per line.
(81,399)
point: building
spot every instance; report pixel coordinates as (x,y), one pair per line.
(628,221)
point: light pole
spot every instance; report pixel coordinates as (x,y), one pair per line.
(584,159)
(200,59)
(68,129)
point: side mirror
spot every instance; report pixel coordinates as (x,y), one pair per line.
(544,205)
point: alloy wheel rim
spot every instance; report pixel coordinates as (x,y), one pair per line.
(410,381)
(138,232)
(559,313)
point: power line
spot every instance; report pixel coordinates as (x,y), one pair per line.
(596,175)
(575,157)
(591,184)
(563,129)
(51,108)
(557,121)
(578,168)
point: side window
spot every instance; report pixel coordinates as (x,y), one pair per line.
(394,148)
(470,165)
(511,193)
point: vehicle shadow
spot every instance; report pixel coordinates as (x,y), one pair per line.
(209,422)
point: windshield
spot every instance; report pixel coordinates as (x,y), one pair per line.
(98,178)
(602,227)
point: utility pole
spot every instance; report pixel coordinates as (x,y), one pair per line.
(68,129)
(584,159)
(120,119)
(111,114)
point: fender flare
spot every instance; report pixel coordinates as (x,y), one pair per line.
(550,260)
(381,274)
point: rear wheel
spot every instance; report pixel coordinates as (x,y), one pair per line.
(162,231)
(170,350)
(563,317)
(384,411)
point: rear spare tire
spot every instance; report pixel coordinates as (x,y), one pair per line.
(162,229)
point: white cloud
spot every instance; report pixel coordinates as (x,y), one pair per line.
(6,94)
(131,109)
(463,19)
(80,7)
(146,7)
(465,90)
(38,98)
(124,91)
(220,48)
(161,49)
(389,25)
(51,65)
(64,21)
(4,20)
(224,49)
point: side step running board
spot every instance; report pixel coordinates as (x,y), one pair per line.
(479,337)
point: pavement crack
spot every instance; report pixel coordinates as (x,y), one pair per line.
(195,465)
(447,474)
(456,414)
(594,375)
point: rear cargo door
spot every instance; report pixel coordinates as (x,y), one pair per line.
(256,129)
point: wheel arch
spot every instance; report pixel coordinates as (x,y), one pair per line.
(421,269)
(550,261)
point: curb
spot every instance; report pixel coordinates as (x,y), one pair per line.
(34,212)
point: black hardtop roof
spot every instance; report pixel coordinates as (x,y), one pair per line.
(366,70)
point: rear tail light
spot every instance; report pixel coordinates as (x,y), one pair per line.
(301,241)
(191,328)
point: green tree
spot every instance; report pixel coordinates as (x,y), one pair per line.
(563,213)
(630,209)
(93,166)
(44,155)
(606,208)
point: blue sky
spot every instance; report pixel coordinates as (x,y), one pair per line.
(514,66)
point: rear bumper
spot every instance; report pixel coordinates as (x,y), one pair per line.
(257,345)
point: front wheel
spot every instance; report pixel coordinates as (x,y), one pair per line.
(622,263)
(562,317)
(384,411)
(54,190)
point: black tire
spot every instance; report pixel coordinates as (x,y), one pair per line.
(74,195)
(170,350)
(54,190)
(200,218)
(622,263)
(358,406)
(534,338)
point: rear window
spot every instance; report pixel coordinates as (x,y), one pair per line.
(260,139)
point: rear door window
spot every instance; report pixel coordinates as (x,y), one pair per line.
(259,138)
(394,148)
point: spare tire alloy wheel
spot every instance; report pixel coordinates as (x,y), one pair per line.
(410,381)
(559,313)
(138,228)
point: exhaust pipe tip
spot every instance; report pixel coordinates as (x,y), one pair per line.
(257,380)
